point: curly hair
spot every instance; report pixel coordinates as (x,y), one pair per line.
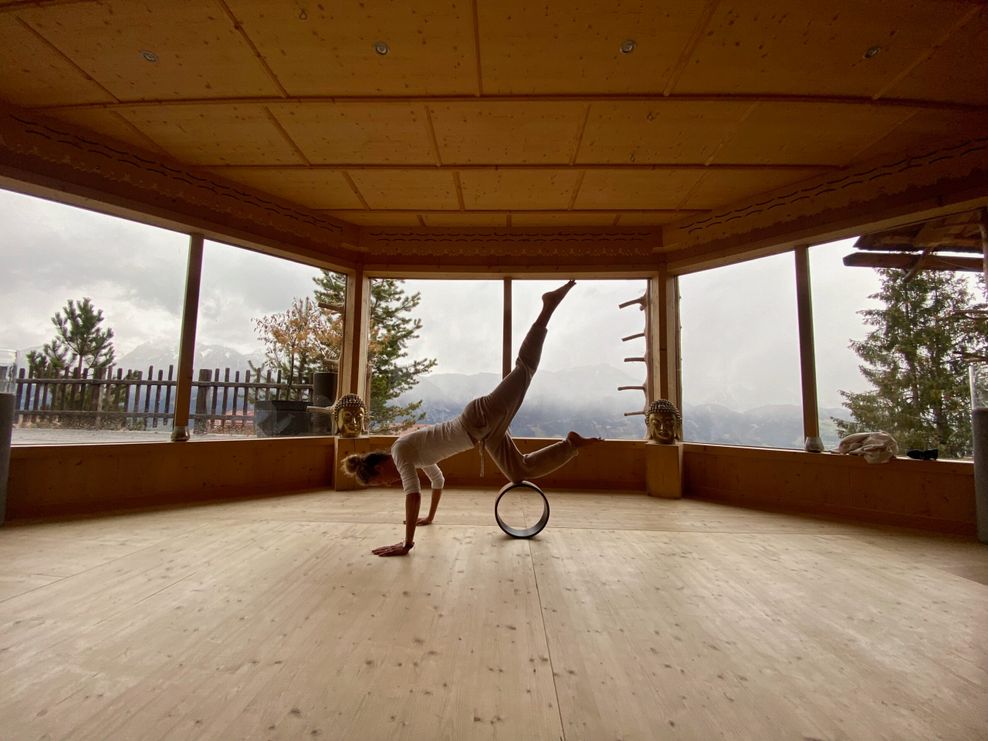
(363,466)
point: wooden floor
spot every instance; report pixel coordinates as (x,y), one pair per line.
(627,618)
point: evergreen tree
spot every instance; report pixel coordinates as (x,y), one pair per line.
(79,345)
(298,342)
(79,342)
(391,329)
(915,360)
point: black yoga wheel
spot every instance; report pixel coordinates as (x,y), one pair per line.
(527,532)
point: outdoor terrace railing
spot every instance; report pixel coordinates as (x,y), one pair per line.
(111,398)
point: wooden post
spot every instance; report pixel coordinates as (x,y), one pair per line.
(807,354)
(506,330)
(187,344)
(356,325)
(205,377)
(662,328)
(983,228)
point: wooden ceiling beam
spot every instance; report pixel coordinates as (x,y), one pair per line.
(910,262)
(533,98)
(531,166)
(889,244)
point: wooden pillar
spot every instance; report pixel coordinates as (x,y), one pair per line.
(356,331)
(662,326)
(506,356)
(807,353)
(983,228)
(187,344)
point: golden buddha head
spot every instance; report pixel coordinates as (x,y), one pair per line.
(350,414)
(664,422)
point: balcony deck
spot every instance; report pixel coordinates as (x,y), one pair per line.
(628,617)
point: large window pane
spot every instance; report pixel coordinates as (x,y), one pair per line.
(261,342)
(910,340)
(582,366)
(460,331)
(840,293)
(740,355)
(120,277)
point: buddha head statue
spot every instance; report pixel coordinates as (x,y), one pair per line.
(663,421)
(350,414)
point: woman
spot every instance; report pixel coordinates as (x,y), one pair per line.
(483,422)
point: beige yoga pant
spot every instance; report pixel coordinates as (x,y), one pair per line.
(486,419)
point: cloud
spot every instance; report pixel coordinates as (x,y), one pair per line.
(738,323)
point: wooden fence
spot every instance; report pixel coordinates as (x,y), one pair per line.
(113,399)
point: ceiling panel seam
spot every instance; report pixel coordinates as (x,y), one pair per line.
(239,28)
(287,137)
(690,47)
(30,29)
(931,50)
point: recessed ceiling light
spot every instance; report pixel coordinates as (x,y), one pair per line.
(381,48)
(302,15)
(149,56)
(872,52)
(628,46)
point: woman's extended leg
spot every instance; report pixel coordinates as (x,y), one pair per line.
(488,417)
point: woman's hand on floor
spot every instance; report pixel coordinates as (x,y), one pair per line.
(398,549)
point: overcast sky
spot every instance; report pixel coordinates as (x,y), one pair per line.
(739,325)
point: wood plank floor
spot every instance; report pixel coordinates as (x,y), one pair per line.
(627,618)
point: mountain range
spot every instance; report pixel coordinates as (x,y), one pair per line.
(584,398)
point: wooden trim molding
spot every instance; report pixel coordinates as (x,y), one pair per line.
(834,205)
(55,155)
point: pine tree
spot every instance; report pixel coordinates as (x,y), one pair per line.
(391,329)
(914,359)
(298,342)
(79,345)
(79,341)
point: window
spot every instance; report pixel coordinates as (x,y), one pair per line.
(740,355)
(582,366)
(454,357)
(99,275)
(262,340)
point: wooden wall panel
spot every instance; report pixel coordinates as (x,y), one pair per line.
(407,189)
(506,189)
(617,465)
(34,75)
(52,481)
(924,126)
(108,122)
(956,69)
(721,187)
(466,219)
(621,189)
(496,132)
(563,218)
(937,495)
(314,188)
(355,133)
(327,48)
(376,218)
(648,218)
(198,49)
(808,133)
(661,131)
(205,135)
(554,47)
(772,46)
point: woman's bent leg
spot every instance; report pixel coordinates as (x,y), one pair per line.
(518,466)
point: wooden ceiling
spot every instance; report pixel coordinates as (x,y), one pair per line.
(506,113)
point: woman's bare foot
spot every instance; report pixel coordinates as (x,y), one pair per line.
(551,299)
(578,441)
